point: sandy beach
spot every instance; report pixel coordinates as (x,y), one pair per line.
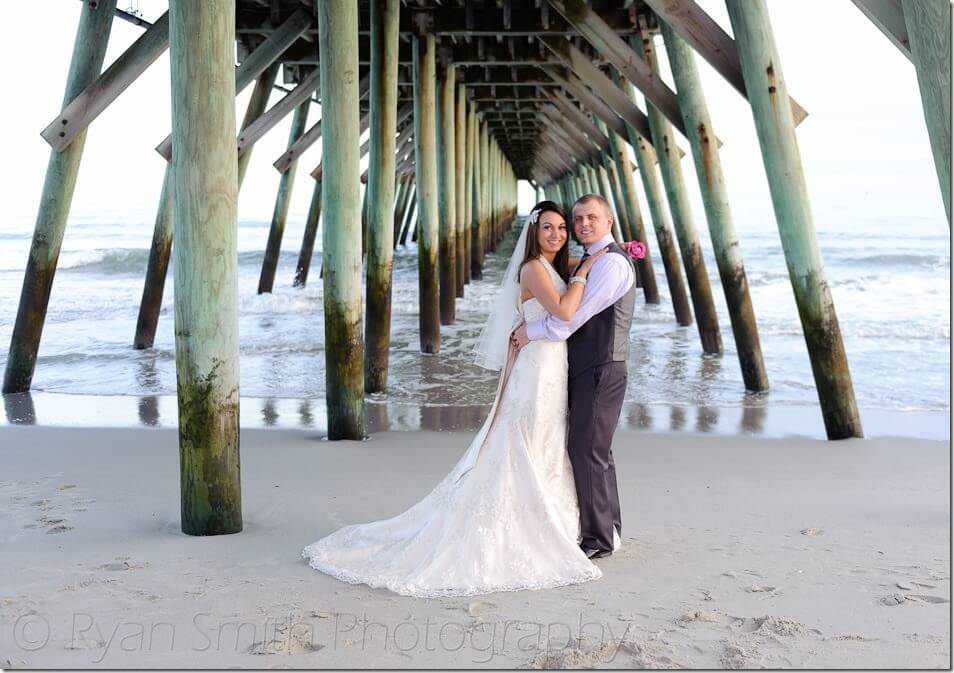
(738,552)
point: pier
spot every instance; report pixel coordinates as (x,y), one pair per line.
(453,104)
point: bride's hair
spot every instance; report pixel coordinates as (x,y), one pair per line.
(532,250)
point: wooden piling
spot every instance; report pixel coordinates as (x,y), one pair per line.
(205,191)
(473,180)
(768,95)
(282,200)
(447,255)
(89,51)
(707,321)
(928,23)
(624,169)
(308,239)
(607,191)
(616,190)
(384,94)
(662,226)
(715,199)
(462,276)
(341,234)
(425,162)
(157,268)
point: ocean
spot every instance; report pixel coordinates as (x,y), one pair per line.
(890,282)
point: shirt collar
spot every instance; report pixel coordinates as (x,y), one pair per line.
(600,244)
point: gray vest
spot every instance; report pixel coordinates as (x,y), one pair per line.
(604,337)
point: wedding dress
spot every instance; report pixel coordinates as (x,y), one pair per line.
(505,518)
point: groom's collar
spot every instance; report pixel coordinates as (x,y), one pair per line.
(600,244)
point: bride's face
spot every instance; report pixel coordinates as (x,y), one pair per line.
(552,233)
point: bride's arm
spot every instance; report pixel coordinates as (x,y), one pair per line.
(535,279)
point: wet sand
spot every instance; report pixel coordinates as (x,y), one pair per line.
(738,552)
(756,417)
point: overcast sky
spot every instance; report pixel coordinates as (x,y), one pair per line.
(864,145)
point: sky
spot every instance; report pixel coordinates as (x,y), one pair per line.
(864,146)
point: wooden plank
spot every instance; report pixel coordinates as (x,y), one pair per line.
(95,98)
(579,118)
(256,63)
(706,36)
(602,85)
(576,87)
(929,22)
(311,136)
(888,17)
(279,111)
(614,48)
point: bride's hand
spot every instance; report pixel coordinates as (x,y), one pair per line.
(587,264)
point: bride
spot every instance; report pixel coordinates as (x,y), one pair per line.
(506,516)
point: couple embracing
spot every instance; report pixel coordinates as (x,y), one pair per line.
(533,500)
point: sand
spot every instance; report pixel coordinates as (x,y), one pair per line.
(737,553)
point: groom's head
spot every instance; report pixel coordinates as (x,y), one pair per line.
(592,219)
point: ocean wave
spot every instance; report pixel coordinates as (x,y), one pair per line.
(304,301)
(898,259)
(121,260)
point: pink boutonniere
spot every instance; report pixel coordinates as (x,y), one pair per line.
(636,249)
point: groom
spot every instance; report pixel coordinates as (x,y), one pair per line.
(597,338)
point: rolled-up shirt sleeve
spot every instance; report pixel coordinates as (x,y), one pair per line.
(609,279)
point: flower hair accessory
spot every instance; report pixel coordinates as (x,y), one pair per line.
(636,249)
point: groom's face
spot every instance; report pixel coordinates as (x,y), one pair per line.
(591,222)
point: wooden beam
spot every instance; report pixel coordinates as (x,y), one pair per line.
(929,23)
(888,17)
(706,36)
(311,136)
(95,98)
(602,85)
(614,48)
(256,63)
(576,87)
(580,118)
(300,94)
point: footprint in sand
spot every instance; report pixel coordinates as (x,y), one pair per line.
(700,617)
(770,624)
(893,599)
(123,563)
(736,656)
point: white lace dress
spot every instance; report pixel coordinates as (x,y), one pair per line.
(506,516)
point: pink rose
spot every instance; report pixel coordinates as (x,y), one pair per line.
(637,249)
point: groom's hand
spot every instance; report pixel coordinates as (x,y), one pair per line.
(519,337)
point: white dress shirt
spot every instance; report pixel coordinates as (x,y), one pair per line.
(610,278)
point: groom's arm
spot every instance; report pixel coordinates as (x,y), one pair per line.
(609,279)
